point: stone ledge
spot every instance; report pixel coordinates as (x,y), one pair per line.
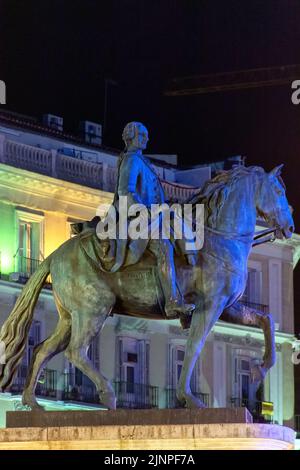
(230,436)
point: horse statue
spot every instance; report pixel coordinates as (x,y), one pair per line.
(85,295)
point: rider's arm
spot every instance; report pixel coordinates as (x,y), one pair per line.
(129,172)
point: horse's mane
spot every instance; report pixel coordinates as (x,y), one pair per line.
(215,191)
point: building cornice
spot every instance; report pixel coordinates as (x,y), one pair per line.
(232,330)
(33,190)
(294,243)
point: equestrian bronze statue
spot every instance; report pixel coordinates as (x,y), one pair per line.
(90,280)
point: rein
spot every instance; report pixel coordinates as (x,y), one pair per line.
(245,238)
(257,239)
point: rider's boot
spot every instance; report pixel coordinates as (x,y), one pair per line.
(174,303)
(176,307)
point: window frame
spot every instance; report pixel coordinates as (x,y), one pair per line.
(30,217)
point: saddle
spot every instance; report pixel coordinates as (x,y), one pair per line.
(113,255)
(109,258)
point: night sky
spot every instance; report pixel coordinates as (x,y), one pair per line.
(56,54)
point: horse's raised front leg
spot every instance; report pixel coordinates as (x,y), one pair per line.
(243,315)
(203,321)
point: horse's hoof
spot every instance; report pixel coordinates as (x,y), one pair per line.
(32,404)
(194,403)
(108,400)
(190,401)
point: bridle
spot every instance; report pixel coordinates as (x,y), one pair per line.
(260,237)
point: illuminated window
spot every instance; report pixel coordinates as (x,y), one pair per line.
(244,390)
(30,242)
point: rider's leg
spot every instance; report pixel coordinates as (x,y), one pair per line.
(164,253)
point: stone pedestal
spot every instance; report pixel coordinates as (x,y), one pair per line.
(126,417)
(214,429)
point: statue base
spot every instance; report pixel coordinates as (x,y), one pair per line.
(180,429)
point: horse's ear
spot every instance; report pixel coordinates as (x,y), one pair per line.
(277,170)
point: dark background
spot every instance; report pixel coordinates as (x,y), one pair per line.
(56,54)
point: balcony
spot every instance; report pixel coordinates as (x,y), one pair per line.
(24,268)
(58,165)
(46,386)
(262,411)
(132,395)
(172,402)
(178,192)
(129,395)
(52,163)
(19,381)
(83,392)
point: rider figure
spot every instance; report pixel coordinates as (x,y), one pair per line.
(138,181)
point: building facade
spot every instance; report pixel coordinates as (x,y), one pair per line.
(48,180)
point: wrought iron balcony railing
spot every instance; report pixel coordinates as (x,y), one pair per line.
(46,386)
(129,395)
(262,411)
(172,402)
(84,392)
(132,395)
(20,379)
(26,266)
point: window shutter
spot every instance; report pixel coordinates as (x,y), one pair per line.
(171,366)
(254,286)
(141,352)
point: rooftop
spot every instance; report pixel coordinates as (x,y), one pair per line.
(22,121)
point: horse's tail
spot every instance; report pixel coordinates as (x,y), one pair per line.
(14,332)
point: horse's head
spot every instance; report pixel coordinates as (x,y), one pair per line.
(272,204)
